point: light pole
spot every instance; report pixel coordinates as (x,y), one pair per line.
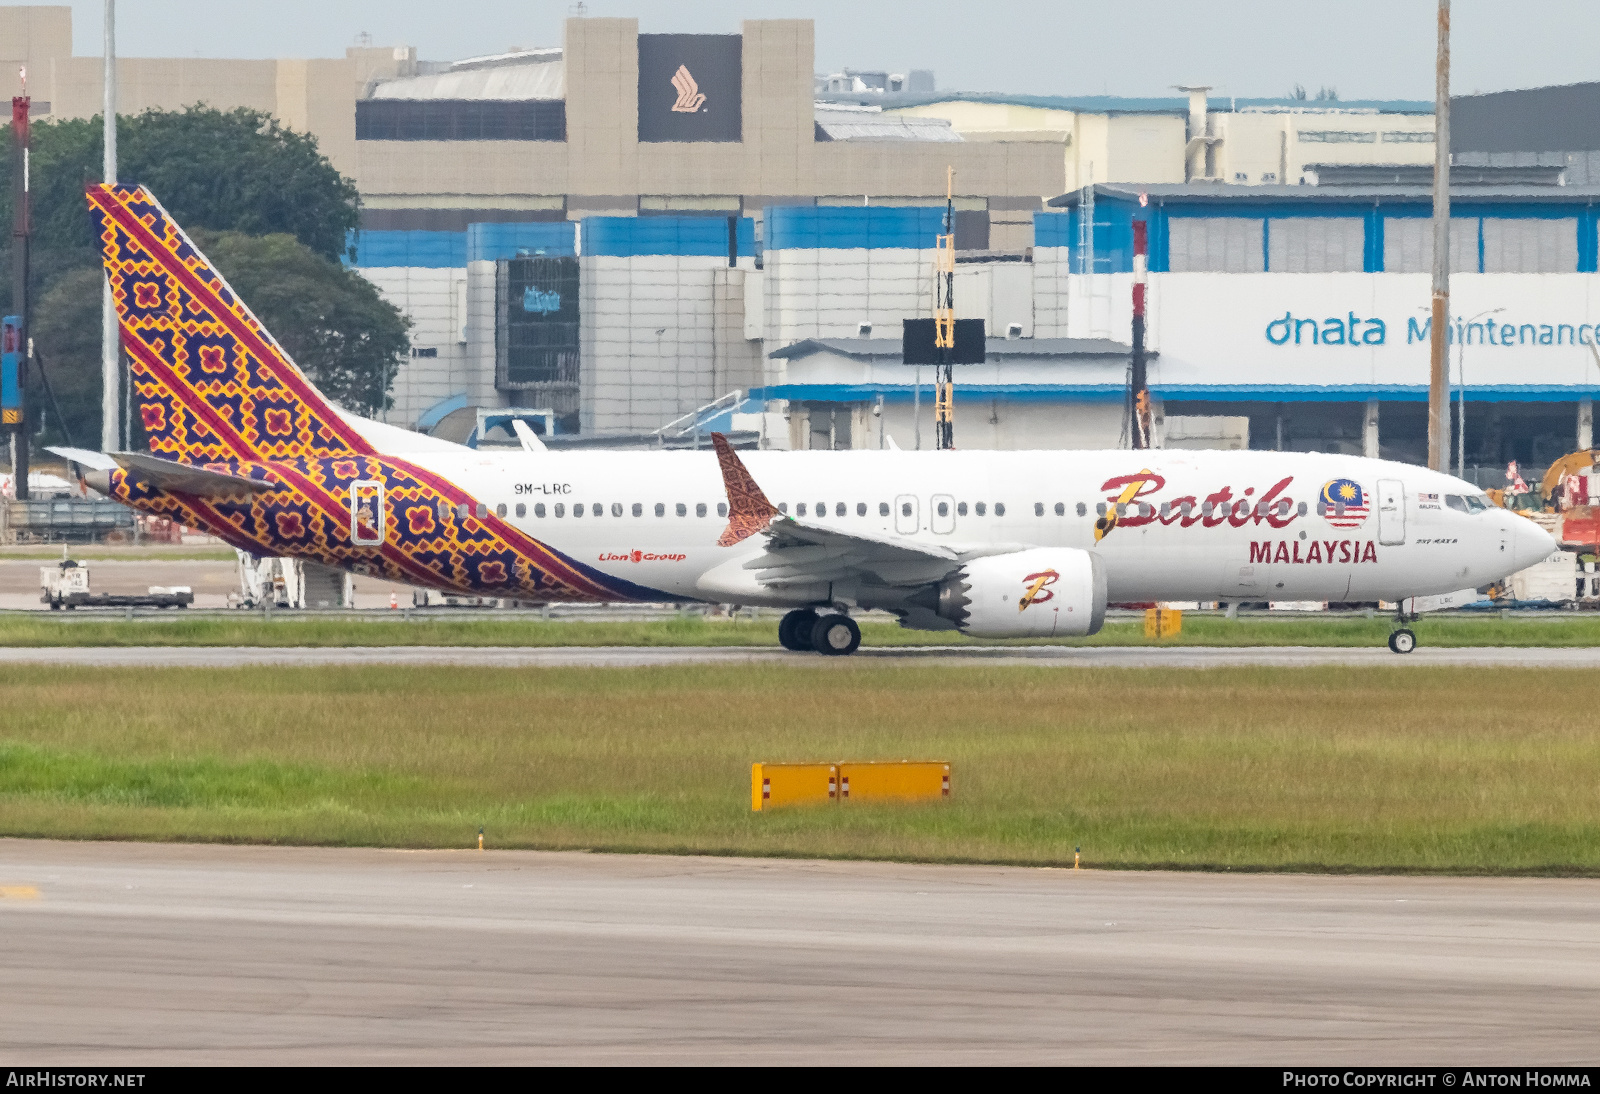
(1461,392)
(110,342)
(1438,351)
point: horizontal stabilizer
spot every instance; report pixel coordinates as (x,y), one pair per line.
(90,461)
(185,478)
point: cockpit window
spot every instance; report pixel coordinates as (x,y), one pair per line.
(1467,503)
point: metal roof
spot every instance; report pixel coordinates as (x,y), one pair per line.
(1118,104)
(1219,193)
(1421,174)
(1565,118)
(858,123)
(863,349)
(515,77)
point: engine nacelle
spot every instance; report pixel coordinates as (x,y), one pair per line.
(1043,592)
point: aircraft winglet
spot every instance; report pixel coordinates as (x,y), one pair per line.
(749,511)
(527,437)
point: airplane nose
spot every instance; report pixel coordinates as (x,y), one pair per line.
(1531,543)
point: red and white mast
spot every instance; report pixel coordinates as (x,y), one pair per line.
(1138,381)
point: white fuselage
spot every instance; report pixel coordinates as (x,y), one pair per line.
(652,518)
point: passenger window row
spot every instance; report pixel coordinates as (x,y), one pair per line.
(1240,508)
(559,509)
(579,509)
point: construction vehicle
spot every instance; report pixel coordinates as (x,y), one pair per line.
(1566,504)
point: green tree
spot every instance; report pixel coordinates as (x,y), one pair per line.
(66,335)
(346,338)
(226,176)
(229,171)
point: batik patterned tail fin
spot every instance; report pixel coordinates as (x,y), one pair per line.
(210,384)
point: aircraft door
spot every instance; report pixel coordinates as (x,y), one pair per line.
(906,518)
(1391,512)
(367,517)
(942,514)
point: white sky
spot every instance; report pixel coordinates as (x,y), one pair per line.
(1364,48)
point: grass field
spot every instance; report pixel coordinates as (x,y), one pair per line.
(1323,769)
(250,629)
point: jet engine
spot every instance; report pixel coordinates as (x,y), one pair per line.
(1043,592)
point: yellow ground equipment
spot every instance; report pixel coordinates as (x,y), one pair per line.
(1163,622)
(907,780)
(1570,464)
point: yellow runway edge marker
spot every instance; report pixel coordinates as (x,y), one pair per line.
(793,784)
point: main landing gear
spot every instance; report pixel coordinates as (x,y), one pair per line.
(834,634)
(1403,640)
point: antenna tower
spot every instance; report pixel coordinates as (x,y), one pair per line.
(944,317)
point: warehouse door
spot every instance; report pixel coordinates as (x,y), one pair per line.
(1391,511)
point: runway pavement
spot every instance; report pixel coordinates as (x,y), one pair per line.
(140,953)
(639,656)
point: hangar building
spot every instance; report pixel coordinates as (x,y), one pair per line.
(589,232)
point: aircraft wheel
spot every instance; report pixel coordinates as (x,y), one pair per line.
(1402,641)
(835,635)
(794,630)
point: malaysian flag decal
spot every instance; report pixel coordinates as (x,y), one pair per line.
(1344,503)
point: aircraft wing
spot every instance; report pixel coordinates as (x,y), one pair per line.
(802,552)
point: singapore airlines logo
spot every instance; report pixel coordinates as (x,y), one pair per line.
(1037,593)
(689,96)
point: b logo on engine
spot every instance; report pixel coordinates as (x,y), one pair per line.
(1038,592)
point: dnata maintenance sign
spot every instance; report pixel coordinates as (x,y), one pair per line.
(1373,330)
(1353,330)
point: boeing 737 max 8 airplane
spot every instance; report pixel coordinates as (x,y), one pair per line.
(1004,544)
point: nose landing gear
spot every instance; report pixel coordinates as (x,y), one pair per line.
(1404,639)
